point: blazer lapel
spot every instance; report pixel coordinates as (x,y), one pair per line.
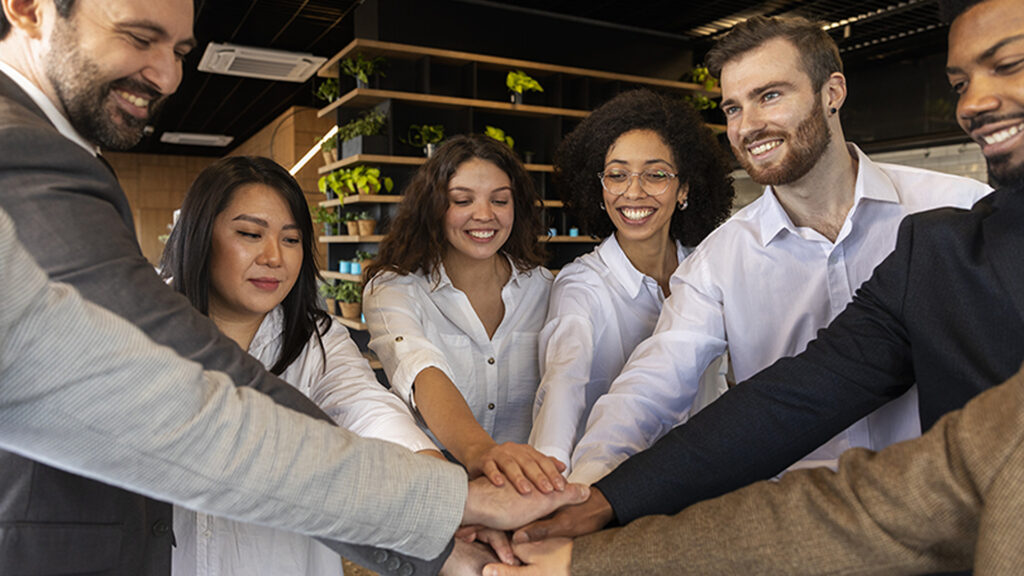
(8,89)
(1003,232)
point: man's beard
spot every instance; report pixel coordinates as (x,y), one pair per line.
(87,100)
(805,147)
(1003,172)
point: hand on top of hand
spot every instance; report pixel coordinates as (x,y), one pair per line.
(521,464)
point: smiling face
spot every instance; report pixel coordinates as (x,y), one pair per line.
(985,66)
(112,64)
(637,215)
(480,210)
(776,121)
(256,254)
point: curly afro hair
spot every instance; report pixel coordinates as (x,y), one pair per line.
(696,155)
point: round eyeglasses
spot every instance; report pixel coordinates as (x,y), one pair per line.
(652,182)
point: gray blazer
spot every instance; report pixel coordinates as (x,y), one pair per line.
(179,433)
(74,219)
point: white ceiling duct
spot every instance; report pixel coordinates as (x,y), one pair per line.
(259,63)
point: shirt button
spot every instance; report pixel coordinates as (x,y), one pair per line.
(490,406)
(405,570)
(490,360)
(393,564)
(380,556)
(160,528)
(399,339)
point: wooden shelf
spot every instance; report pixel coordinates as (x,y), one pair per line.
(332,275)
(407,52)
(569,239)
(552,203)
(404,161)
(350,239)
(362,199)
(367,97)
(348,323)
(372,359)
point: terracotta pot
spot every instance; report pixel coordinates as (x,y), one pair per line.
(351,310)
(353,228)
(330,156)
(332,309)
(366,227)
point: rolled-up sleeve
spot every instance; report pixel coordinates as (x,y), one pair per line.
(397,333)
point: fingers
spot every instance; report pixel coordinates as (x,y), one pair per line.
(467,533)
(493,473)
(510,466)
(499,542)
(539,530)
(548,558)
(525,467)
(590,516)
(503,508)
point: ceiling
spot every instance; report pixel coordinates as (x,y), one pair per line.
(868,32)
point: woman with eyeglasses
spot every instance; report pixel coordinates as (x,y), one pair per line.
(646,173)
(455,300)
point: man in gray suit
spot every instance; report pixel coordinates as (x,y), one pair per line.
(76,75)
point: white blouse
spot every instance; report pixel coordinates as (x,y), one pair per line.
(601,307)
(416,322)
(762,287)
(347,390)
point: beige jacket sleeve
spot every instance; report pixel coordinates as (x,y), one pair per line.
(946,501)
(83,390)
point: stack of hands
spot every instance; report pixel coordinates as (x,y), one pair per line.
(520,516)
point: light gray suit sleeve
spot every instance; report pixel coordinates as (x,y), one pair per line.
(83,390)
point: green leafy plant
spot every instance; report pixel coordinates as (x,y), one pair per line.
(327,90)
(348,291)
(329,144)
(349,217)
(331,182)
(518,81)
(367,180)
(499,135)
(362,68)
(421,135)
(324,216)
(363,216)
(363,255)
(700,75)
(369,124)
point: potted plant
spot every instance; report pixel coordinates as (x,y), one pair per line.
(702,77)
(349,218)
(331,185)
(499,135)
(366,223)
(518,81)
(327,90)
(361,136)
(367,180)
(327,292)
(362,68)
(328,218)
(425,136)
(350,298)
(329,150)
(365,258)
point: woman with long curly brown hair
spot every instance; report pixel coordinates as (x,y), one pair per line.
(454,302)
(647,174)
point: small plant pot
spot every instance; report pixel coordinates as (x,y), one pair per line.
(330,156)
(527,157)
(366,227)
(353,228)
(429,150)
(517,97)
(332,308)
(330,229)
(364,145)
(361,84)
(351,310)
(574,232)
(330,193)
(345,267)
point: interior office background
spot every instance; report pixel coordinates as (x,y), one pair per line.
(900,108)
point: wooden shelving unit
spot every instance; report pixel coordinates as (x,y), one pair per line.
(332,275)
(404,161)
(368,97)
(348,323)
(362,199)
(351,239)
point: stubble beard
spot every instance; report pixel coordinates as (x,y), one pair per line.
(805,147)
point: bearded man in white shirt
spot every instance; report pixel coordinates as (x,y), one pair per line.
(779,270)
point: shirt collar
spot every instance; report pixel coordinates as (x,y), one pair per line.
(872,184)
(59,121)
(622,270)
(444,281)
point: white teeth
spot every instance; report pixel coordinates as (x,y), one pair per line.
(1002,135)
(482,234)
(135,100)
(637,213)
(762,148)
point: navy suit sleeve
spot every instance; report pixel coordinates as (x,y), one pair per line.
(858,363)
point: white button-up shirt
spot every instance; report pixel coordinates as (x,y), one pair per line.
(762,287)
(347,390)
(601,307)
(59,121)
(417,321)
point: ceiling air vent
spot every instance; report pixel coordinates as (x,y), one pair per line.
(193,139)
(259,63)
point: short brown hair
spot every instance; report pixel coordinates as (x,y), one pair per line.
(415,239)
(818,52)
